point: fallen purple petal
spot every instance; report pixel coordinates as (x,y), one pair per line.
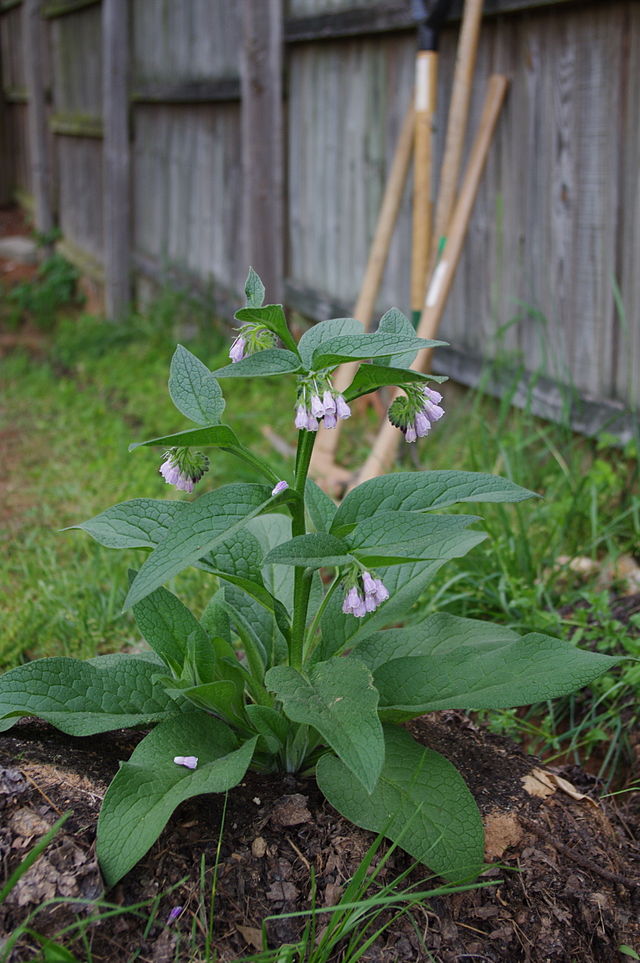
(189,762)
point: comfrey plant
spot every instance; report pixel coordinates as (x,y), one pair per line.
(286,670)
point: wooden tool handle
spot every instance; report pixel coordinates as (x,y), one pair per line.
(457,123)
(385,447)
(426,89)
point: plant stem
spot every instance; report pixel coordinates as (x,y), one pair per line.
(245,455)
(302,577)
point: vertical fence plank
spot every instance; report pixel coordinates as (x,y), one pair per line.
(116,156)
(262,147)
(39,159)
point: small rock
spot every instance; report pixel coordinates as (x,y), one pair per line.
(291,810)
(281,892)
(258,847)
(27,823)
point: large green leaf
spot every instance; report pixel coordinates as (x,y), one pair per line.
(395,322)
(337,698)
(324,331)
(356,347)
(193,388)
(83,698)
(420,802)
(414,536)
(202,524)
(147,789)
(271,361)
(533,668)
(138,523)
(217,436)
(168,625)
(419,491)
(437,635)
(272,317)
(370,377)
(311,551)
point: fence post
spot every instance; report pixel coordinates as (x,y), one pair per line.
(262,141)
(39,159)
(116,157)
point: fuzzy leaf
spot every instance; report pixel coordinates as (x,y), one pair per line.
(167,624)
(339,700)
(254,289)
(147,789)
(193,388)
(420,802)
(355,347)
(370,377)
(533,668)
(272,317)
(324,331)
(396,323)
(209,520)
(414,536)
(413,491)
(311,551)
(438,635)
(217,436)
(262,364)
(321,508)
(81,698)
(138,523)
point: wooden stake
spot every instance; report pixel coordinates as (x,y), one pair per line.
(457,122)
(385,448)
(426,89)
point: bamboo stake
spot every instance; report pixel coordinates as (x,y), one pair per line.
(386,445)
(426,89)
(457,122)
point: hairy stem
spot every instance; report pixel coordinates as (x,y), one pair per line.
(302,577)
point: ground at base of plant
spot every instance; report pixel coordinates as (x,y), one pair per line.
(566,885)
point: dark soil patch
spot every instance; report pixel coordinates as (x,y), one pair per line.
(567,888)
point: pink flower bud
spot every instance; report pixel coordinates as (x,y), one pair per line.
(342,408)
(329,402)
(237,349)
(317,408)
(280,487)
(330,420)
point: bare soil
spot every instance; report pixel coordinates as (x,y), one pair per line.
(566,873)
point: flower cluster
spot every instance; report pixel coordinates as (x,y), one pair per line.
(251,337)
(183,468)
(319,402)
(415,412)
(365,596)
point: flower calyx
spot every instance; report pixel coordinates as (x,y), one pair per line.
(183,468)
(251,337)
(415,411)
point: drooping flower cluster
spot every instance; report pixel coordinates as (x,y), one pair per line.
(183,468)
(251,337)
(319,402)
(364,596)
(415,412)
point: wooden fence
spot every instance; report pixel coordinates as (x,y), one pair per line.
(181,140)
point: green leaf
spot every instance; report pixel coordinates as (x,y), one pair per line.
(167,624)
(138,523)
(321,508)
(272,317)
(414,536)
(437,635)
(420,491)
(272,726)
(533,668)
(325,331)
(339,700)
(81,698)
(222,697)
(394,322)
(217,436)
(202,524)
(262,364)
(420,802)
(254,289)
(147,789)
(355,347)
(193,388)
(311,551)
(370,377)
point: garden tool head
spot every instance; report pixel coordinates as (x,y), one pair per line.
(430,16)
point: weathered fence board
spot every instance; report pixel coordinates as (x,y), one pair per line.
(77,62)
